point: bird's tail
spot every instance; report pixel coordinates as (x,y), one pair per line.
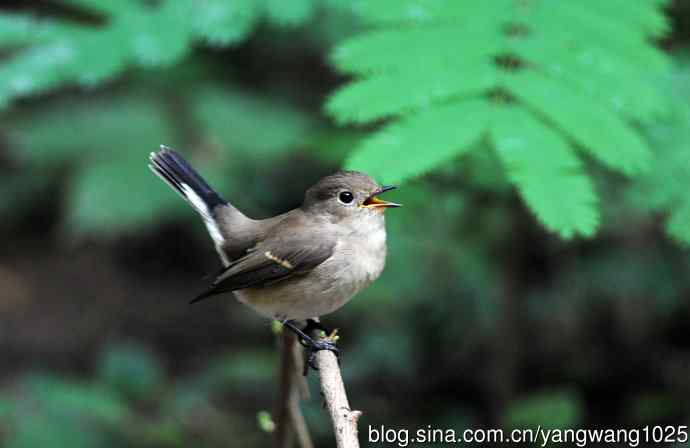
(179,174)
(170,166)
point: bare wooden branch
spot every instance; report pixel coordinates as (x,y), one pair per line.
(293,388)
(333,390)
(299,425)
(283,436)
(290,421)
(300,391)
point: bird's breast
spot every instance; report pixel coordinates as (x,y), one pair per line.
(358,259)
(366,254)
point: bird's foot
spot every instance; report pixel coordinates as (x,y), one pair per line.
(332,336)
(314,345)
(313,324)
(321,344)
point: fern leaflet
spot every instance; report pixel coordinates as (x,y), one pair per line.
(573,75)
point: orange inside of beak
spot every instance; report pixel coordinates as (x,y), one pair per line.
(373,201)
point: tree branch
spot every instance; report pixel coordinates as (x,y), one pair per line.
(293,387)
(333,391)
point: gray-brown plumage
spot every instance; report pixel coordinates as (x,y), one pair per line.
(301,264)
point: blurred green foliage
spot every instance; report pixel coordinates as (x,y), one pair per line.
(573,107)
(537,79)
(550,410)
(665,187)
(131,370)
(129,402)
(63,413)
(54,52)
(536,91)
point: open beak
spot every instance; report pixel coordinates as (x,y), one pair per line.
(374,202)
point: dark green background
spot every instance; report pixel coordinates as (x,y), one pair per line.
(481,318)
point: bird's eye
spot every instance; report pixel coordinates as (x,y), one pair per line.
(345,197)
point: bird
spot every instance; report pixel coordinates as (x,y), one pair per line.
(297,266)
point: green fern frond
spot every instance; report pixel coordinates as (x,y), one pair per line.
(292,13)
(46,137)
(423,11)
(87,55)
(110,136)
(397,93)
(232,119)
(572,72)
(400,150)
(678,224)
(594,70)
(665,189)
(160,36)
(598,30)
(598,129)
(551,179)
(18,29)
(636,15)
(222,23)
(45,55)
(102,182)
(399,50)
(104,7)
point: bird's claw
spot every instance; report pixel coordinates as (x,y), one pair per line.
(313,324)
(317,346)
(313,345)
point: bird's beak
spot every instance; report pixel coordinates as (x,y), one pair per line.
(374,202)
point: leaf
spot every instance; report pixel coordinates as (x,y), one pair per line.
(19,29)
(546,171)
(222,22)
(600,29)
(100,203)
(665,189)
(157,37)
(581,70)
(52,54)
(292,13)
(108,8)
(397,50)
(421,142)
(626,87)
(333,22)
(254,124)
(395,94)
(421,11)
(599,130)
(678,224)
(637,15)
(106,141)
(97,128)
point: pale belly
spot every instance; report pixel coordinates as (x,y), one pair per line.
(325,289)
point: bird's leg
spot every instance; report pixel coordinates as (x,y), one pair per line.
(312,345)
(313,324)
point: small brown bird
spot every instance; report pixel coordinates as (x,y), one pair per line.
(298,265)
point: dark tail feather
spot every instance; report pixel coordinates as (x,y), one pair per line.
(204,295)
(179,174)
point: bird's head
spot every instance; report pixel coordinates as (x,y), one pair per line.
(347,194)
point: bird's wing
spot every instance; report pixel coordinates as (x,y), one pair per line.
(269,262)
